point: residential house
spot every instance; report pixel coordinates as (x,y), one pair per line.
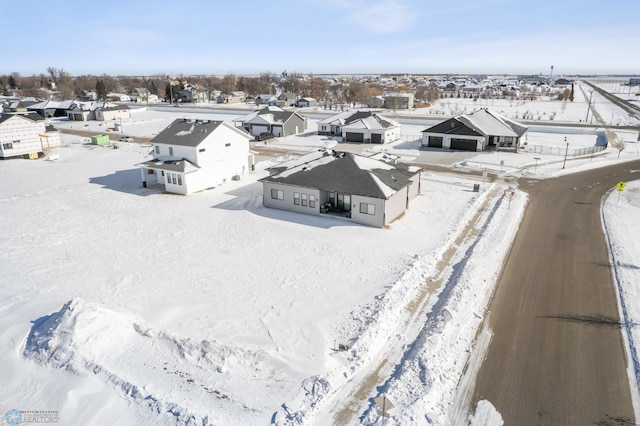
(193,155)
(399,100)
(375,102)
(361,126)
(306,103)
(97,110)
(272,120)
(21,105)
(143,95)
(286,99)
(266,99)
(48,109)
(118,97)
(475,132)
(327,183)
(197,94)
(232,98)
(26,136)
(112,112)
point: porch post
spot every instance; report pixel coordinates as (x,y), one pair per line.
(144,182)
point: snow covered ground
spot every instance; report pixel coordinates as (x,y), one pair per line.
(124,305)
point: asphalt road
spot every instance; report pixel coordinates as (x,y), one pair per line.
(557,356)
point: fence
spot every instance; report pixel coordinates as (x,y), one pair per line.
(560,151)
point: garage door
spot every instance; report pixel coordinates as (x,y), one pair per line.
(376,138)
(435,142)
(354,137)
(276,131)
(464,144)
(256,130)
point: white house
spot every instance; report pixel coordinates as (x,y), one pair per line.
(360,189)
(475,132)
(192,155)
(361,126)
(113,112)
(26,136)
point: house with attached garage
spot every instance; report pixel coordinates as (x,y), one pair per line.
(192,155)
(25,135)
(361,126)
(328,183)
(272,120)
(475,132)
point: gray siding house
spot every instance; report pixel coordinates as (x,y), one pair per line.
(273,120)
(361,189)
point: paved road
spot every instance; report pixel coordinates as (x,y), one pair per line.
(557,355)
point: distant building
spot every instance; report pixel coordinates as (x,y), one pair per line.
(361,126)
(272,120)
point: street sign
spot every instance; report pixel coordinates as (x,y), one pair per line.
(621,186)
(385,405)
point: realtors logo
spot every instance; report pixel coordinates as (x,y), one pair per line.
(13,417)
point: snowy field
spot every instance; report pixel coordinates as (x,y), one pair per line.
(121,304)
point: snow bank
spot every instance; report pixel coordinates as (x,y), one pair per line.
(180,381)
(620,210)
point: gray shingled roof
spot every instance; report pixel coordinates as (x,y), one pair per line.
(341,172)
(185,132)
(33,116)
(480,123)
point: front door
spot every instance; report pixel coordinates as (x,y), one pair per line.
(344,202)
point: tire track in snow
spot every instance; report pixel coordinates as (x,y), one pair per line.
(416,310)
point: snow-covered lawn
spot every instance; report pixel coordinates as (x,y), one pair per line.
(121,304)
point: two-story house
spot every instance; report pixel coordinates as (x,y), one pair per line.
(193,155)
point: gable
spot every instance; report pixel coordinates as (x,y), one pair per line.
(453,126)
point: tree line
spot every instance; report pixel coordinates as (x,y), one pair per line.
(62,85)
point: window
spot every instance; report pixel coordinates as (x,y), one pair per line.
(179,179)
(367,208)
(173,178)
(201,149)
(227,144)
(277,194)
(304,200)
(296,198)
(157,149)
(170,150)
(312,200)
(8,145)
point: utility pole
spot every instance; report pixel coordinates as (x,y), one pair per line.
(588,107)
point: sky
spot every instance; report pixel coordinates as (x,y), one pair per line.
(324,36)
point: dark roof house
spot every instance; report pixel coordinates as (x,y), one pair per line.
(362,189)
